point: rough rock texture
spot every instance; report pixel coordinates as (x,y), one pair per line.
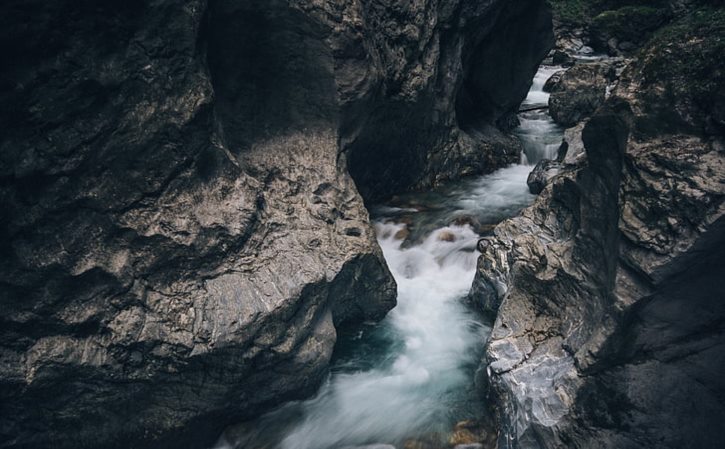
(617,27)
(626,27)
(175,249)
(181,233)
(577,93)
(541,174)
(440,79)
(611,326)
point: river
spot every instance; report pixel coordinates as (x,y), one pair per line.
(410,378)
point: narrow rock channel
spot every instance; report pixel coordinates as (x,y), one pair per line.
(362,224)
(408,381)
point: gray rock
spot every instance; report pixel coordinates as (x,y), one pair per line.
(469,446)
(577,93)
(575,153)
(181,229)
(553,84)
(609,332)
(541,174)
(612,45)
(435,114)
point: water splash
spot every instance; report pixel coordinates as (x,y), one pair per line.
(415,388)
(412,373)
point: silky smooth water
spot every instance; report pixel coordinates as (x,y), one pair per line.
(413,373)
(538,132)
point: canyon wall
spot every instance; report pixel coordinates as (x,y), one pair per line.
(181,232)
(607,292)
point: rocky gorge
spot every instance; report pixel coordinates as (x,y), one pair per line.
(186,234)
(183,189)
(607,291)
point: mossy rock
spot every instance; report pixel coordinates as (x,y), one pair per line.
(580,12)
(629,24)
(571,12)
(681,74)
(599,6)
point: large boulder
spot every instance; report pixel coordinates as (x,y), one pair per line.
(578,92)
(610,329)
(624,29)
(181,234)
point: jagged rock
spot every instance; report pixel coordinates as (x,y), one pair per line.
(560,57)
(181,234)
(621,30)
(609,332)
(171,259)
(574,152)
(578,93)
(553,84)
(437,94)
(540,175)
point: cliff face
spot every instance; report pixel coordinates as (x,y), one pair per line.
(610,327)
(181,233)
(445,76)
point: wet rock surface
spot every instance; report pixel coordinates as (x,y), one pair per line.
(577,93)
(609,332)
(181,232)
(441,90)
(541,174)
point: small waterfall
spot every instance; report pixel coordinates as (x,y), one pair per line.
(538,132)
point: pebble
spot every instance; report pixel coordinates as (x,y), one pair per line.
(447,236)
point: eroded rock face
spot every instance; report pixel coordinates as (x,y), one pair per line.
(181,233)
(610,327)
(577,92)
(441,79)
(175,248)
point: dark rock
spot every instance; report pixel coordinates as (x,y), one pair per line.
(508,122)
(560,57)
(540,175)
(624,29)
(626,46)
(434,114)
(611,315)
(413,443)
(180,231)
(578,93)
(554,83)
(562,150)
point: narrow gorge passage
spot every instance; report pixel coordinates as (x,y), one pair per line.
(362,224)
(411,376)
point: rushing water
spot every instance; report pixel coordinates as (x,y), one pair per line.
(411,375)
(540,135)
